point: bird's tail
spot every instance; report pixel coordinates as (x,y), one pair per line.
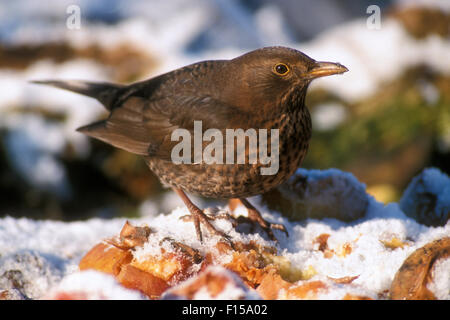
(104,92)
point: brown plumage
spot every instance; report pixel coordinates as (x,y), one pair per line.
(263,89)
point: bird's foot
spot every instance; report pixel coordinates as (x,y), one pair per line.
(255,218)
(199,217)
(191,252)
(265,225)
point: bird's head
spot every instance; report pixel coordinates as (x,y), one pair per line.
(279,72)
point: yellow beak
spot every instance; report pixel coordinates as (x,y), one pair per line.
(323,69)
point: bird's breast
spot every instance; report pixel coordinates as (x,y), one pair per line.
(221,180)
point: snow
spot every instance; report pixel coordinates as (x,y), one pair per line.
(92,285)
(68,240)
(46,253)
(34,272)
(374,265)
(440,285)
(40,253)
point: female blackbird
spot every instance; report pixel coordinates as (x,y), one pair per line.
(262,89)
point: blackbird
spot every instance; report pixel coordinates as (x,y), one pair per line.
(262,89)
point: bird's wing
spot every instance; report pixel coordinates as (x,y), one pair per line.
(145,126)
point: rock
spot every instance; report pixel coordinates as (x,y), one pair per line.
(27,274)
(12,294)
(319,194)
(427,198)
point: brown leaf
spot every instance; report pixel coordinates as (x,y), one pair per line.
(343,280)
(131,236)
(271,284)
(410,282)
(322,240)
(345,250)
(307,290)
(394,243)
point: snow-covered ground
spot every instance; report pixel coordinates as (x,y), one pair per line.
(41,256)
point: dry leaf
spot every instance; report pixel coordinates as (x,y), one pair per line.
(345,250)
(328,253)
(410,282)
(308,290)
(394,243)
(322,240)
(343,280)
(131,236)
(271,284)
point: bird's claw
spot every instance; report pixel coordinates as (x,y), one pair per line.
(266,226)
(200,217)
(212,214)
(193,253)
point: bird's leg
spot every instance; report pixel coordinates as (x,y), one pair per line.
(255,217)
(199,218)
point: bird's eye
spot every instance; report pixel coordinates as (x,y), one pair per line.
(281,69)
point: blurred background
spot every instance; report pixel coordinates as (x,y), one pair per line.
(384,121)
